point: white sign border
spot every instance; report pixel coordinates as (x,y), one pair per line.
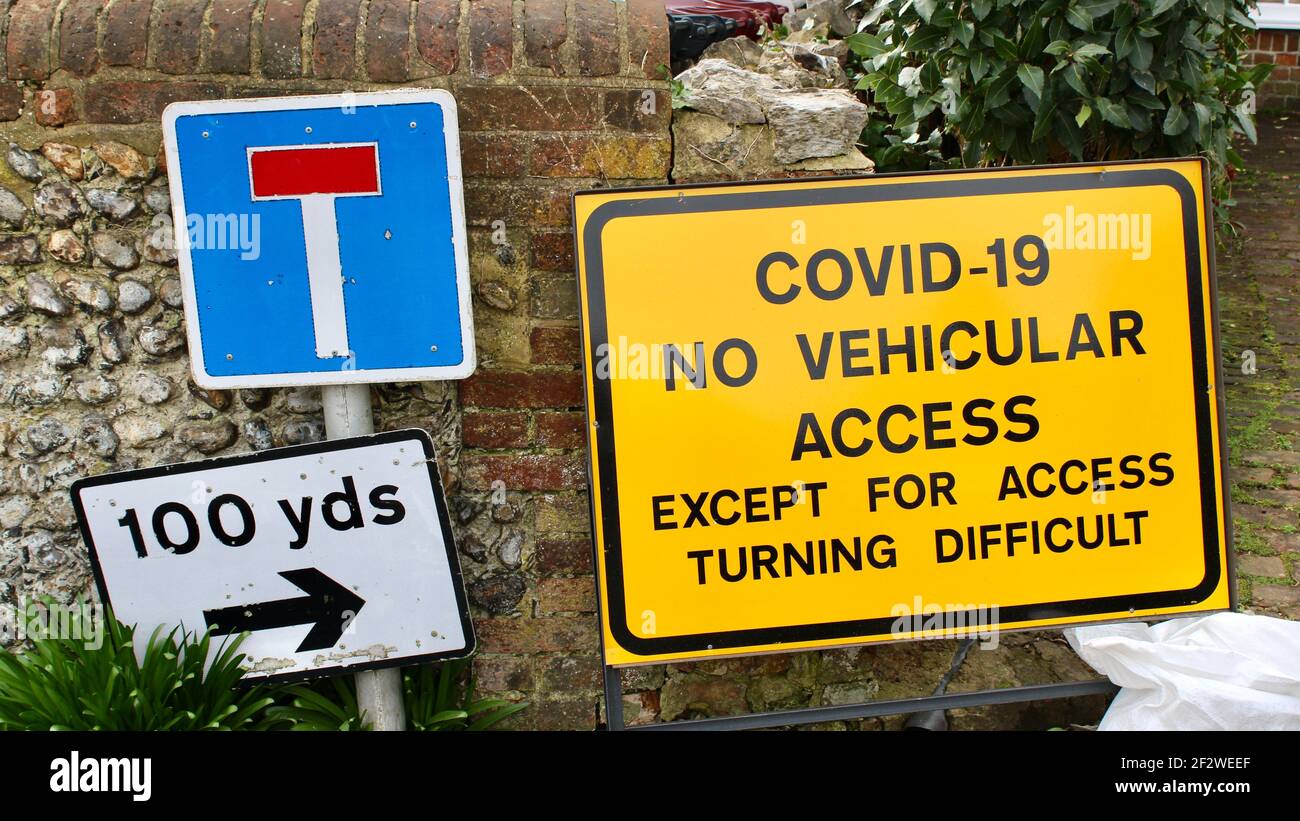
(455,185)
(416,435)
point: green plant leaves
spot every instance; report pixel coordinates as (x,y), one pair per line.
(1245,120)
(965,32)
(999,90)
(1090,51)
(1031,77)
(1163,6)
(1004,48)
(1079,17)
(93,680)
(1015,81)
(186,682)
(437,698)
(1140,55)
(1125,39)
(924,39)
(311,707)
(1076,79)
(866,44)
(1112,112)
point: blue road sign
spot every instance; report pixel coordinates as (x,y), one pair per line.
(321,240)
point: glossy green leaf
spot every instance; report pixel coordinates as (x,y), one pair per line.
(1176,122)
(1031,77)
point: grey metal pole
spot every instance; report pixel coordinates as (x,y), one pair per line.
(379,692)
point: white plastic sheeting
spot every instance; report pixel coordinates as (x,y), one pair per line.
(1229,671)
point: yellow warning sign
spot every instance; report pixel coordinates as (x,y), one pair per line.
(832,412)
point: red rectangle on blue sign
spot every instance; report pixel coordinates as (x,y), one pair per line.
(298,172)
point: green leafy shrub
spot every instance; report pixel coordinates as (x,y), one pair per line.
(1001,82)
(434,697)
(329,704)
(73,684)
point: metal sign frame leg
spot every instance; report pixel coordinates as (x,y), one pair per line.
(850,712)
(379,692)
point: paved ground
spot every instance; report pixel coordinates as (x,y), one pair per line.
(1259,303)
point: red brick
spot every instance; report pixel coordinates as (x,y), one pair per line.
(27,47)
(559,595)
(647,37)
(11,101)
(137,102)
(540,635)
(603,157)
(553,296)
(489,155)
(1286,59)
(282,38)
(563,513)
(544,32)
(126,33)
(562,430)
(435,34)
(638,109)
(334,46)
(507,429)
(486,201)
(524,471)
(516,108)
(491,49)
(497,674)
(177,40)
(520,389)
(229,49)
(388,40)
(567,674)
(78,36)
(553,714)
(596,37)
(552,251)
(54,107)
(554,555)
(555,346)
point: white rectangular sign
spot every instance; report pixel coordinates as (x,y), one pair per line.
(335,556)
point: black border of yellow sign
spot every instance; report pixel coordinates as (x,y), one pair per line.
(956,183)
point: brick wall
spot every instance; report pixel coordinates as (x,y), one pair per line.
(553,97)
(1281,91)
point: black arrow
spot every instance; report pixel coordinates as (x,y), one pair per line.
(328,605)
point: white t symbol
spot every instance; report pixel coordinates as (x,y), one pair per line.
(316,175)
